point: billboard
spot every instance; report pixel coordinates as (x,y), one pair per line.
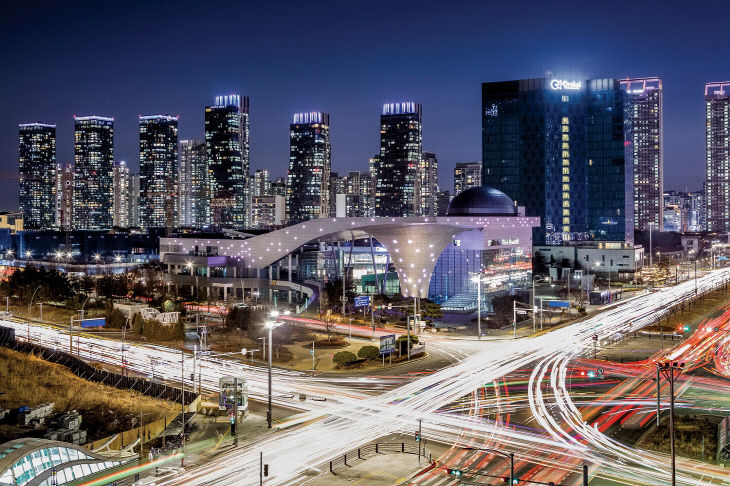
(387,344)
(362,301)
(96,322)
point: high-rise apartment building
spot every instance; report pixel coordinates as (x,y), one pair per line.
(358,194)
(644,134)
(428,185)
(227,150)
(193,184)
(308,179)
(278,187)
(337,188)
(94,172)
(267,212)
(37,167)
(467,175)
(717,160)
(261,183)
(133,200)
(557,148)
(122,177)
(158,171)
(64,196)
(397,165)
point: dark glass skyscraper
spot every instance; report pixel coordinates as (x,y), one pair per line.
(310,159)
(193,184)
(158,204)
(644,128)
(227,150)
(717,161)
(396,167)
(94,172)
(37,165)
(557,148)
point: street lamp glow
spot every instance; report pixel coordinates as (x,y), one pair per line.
(118,258)
(28,253)
(97,257)
(68,254)
(59,255)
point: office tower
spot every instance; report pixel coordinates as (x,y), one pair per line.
(94,172)
(133,200)
(467,175)
(37,167)
(261,183)
(717,160)
(557,148)
(308,179)
(337,188)
(121,195)
(428,185)
(268,212)
(64,196)
(644,133)
(278,187)
(227,151)
(397,164)
(193,184)
(697,219)
(158,171)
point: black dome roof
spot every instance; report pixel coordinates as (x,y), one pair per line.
(481,201)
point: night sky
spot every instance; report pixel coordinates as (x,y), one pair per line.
(123,59)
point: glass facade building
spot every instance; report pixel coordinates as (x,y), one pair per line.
(158,171)
(37,174)
(310,159)
(93,193)
(557,148)
(396,167)
(227,151)
(717,161)
(644,131)
(193,184)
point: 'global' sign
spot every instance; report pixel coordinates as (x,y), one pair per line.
(563,84)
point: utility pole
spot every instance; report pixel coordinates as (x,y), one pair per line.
(420,438)
(671,371)
(479,308)
(585,475)
(408,342)
(235,411)
(514,318)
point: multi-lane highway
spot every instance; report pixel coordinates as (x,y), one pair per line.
(352,416)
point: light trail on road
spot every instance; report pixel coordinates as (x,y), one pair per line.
(350,419)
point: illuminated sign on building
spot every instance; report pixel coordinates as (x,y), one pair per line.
(563,84)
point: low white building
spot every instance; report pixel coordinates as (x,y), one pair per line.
(599,257)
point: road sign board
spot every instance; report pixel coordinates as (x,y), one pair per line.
(362,301)
(558,303)
(387,344)
(98,322)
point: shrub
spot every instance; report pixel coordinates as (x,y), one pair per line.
(344,358)
(369,352)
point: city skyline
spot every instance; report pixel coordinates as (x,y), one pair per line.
(450,97)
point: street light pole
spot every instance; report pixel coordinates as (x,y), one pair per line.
(268,410)
(479,308)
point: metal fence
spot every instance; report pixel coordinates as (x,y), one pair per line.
(88,372)
(370,450)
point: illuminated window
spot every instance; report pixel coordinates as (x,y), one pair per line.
(566,137)
(565,120)
(566,154)
(566,146)
(566,229)
(566,178)
(566,220)
(566,170)
(566,129)
(566,212)
(566,162)
(566,187)
(565,98)
(566,204)
(566,195)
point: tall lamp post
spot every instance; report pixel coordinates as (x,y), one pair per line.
(534,309)
(671,371)
(271,325)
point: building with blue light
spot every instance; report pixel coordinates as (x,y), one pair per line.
(557,148)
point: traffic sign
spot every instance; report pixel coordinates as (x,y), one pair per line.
(362,301)
(558,303)
(387,344)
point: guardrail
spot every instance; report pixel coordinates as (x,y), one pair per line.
(371,450)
